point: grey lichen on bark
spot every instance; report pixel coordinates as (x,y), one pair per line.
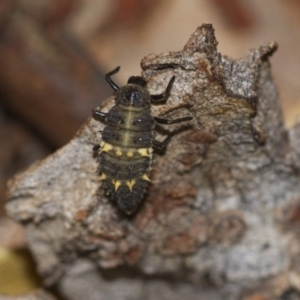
(220,218)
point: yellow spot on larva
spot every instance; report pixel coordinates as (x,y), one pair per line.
(103,176)
(119,152)
(117,184)
(130,184)
(144,151)
(145,177)
(106,147)
(102,144)
(130,154)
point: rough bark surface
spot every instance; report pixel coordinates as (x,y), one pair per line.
(221,217)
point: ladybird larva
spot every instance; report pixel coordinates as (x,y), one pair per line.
(125,154)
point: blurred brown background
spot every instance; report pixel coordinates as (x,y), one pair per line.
(54,54)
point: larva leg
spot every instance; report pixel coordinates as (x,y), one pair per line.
(97,114)
(161,146)
(112,84)
(96,148)
(166,121)
(164,96)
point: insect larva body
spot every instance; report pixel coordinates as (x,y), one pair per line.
(125,154)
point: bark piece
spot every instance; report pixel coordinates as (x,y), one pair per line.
(213,223)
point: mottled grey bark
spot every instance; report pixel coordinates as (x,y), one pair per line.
(221,217)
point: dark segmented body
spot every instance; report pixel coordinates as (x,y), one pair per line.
(125,155)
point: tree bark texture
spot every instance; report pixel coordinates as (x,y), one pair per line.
(221,218)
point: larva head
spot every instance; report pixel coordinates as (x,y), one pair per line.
(134,94)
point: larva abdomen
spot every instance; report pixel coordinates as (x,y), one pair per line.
(125,155)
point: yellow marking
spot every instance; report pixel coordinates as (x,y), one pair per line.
(130,184)
(102,144)
(130,154)
(144,151)
(146,178)
(119,152)
(103,176)
(106,147)
(117,184)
